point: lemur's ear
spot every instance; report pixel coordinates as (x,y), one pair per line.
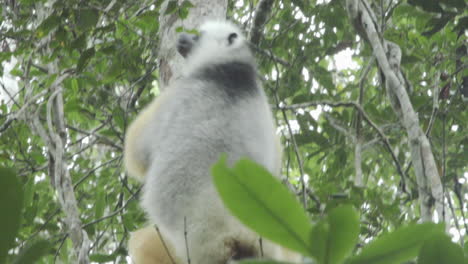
(231,38)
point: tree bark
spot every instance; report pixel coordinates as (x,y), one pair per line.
(55,138)
(425,168)
(170,63)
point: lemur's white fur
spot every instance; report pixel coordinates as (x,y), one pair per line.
(173,143)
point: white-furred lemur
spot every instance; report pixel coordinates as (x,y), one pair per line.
(216,107)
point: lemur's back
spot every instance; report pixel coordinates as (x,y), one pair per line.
(204,122)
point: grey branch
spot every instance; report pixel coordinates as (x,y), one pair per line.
(55,141)
(423,159)
(364,115)
(261,14)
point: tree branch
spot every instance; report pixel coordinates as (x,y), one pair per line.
(364,115)
(261,14)
(425,168)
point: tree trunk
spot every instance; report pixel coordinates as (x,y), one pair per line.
(170,63)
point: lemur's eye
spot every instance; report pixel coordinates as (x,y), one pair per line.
(232,37)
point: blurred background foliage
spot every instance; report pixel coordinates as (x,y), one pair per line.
(309,53)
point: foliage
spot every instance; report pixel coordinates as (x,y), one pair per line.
(244,190)
(11,202)
(11,196)
(108,51)
(249,188)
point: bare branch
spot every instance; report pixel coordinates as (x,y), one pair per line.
(132,197)
(425,167)
(270,55)
(358,178)
(364,115)
(101,139)
(20,113)
(186,240)
(261,13)
(335,124)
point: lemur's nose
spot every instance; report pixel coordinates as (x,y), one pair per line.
(185,43)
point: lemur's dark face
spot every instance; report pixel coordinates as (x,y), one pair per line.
(222,37)
(185,43)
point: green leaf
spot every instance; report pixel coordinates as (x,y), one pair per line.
(254,261)
(47,25)
(262,203)
(87,18)
(465,248)
(440,249)
(333,239)
(79,43)
(84,59)
(456,3)
(33,251)
(461,25)
(16,72)
(101,258)
(184,9)
(397,247)
(427,5)
(119,117)
(437,24)
(344,233)
(319,236)
(100,205)
(11,201)
(28,192)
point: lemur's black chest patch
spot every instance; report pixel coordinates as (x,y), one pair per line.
(237,79)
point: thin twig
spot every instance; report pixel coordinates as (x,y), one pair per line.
(295,147)
(358,180)
(19,113)
(260,242)
(113,213)
(270,55)
(364,115)
(262,11)
(186,240)
(164,244)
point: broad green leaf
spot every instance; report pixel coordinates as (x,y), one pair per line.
(461,25)
(11,201)
(28,193)
(436,24)
(100,205)
(101,258)
(47,25)
(397,247)
(465,248)
(84,59)
(87,18)
(79,43)
(253,261)
(119,117)
(33,252)
(440,249)
(319,236)
(184,9)
(16,72)
(343,233)
(262,203)
(456,3)
(334,238)
(427,5)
